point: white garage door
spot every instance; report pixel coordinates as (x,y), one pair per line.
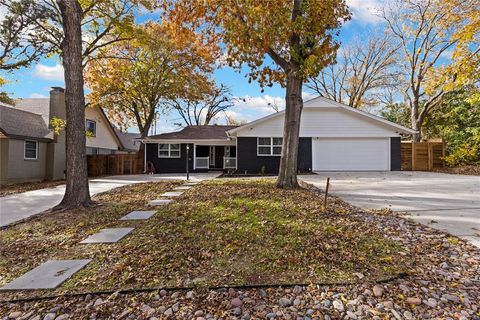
(345,154)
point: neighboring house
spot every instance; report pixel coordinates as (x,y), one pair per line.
(128,140)
(333,137)
(30,151)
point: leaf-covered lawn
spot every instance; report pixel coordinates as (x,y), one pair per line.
(223,232)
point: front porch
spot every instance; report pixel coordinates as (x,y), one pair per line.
(214,157)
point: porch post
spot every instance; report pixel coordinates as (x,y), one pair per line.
(194,156)
(145,158)
(187,164)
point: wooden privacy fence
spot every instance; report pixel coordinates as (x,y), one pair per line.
(422,156)
(113,164)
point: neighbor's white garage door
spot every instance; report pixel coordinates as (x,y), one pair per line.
(345,154)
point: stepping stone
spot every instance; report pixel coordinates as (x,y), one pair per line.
(48,275)
(183,188)
(108,235)
(159,202)
(138,215)
(172,194)
(191,183)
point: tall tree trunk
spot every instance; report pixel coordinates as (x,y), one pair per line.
(76,193)
(287,175)
(414,120)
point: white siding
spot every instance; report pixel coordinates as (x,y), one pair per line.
(323,122)
(104,137)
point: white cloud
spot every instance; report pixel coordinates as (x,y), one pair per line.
(308,96)
(233,115)
(54,73)
(366,11)
(3,12)
(38,95)
(447,54)
(261,104)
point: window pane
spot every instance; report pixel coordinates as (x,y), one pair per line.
(32,145)
(277,141)
(163,153)
(90,126)
(30,150)
(163,147)
(30,154)
(277,150)
(264,141)
(174,154)
(264,150)
(174,147)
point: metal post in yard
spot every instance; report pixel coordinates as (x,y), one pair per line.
(188,149)
(326,194)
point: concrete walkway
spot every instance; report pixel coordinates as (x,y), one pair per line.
(19,206)
(446,202)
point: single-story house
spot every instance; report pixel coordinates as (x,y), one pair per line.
(29,149)
(333,137)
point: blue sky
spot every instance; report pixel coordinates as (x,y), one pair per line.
(36,81)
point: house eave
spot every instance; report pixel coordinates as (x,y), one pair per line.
(21,137)
(192,141)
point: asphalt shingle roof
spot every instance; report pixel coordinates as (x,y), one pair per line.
(128,140)
(22,124)
(39,106)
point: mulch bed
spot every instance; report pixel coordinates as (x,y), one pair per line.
(442,280)
(27,186)
(473,170)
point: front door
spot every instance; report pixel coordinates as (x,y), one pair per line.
(219,153)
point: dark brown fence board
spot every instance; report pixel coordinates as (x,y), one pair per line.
(406,155)
(422,156)
(114,164)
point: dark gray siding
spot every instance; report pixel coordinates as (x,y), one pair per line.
(169,165)
(247,159)
(395,154)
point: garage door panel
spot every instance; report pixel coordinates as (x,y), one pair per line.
(350,154)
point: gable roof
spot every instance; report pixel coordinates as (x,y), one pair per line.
(40,106)
(328,103)
(206,132)
(128,140)
(22,124)
(111,128)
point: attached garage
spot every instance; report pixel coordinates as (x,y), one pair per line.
(333,137)
(351,154)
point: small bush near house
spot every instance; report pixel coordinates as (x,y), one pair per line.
(465,154)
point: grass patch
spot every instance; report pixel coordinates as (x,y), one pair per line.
(224,232)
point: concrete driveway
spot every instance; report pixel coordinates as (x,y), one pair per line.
(446,202)
(20,206)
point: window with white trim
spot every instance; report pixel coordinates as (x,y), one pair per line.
(31,150)
(91,127)
(268,146)
(167,150)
